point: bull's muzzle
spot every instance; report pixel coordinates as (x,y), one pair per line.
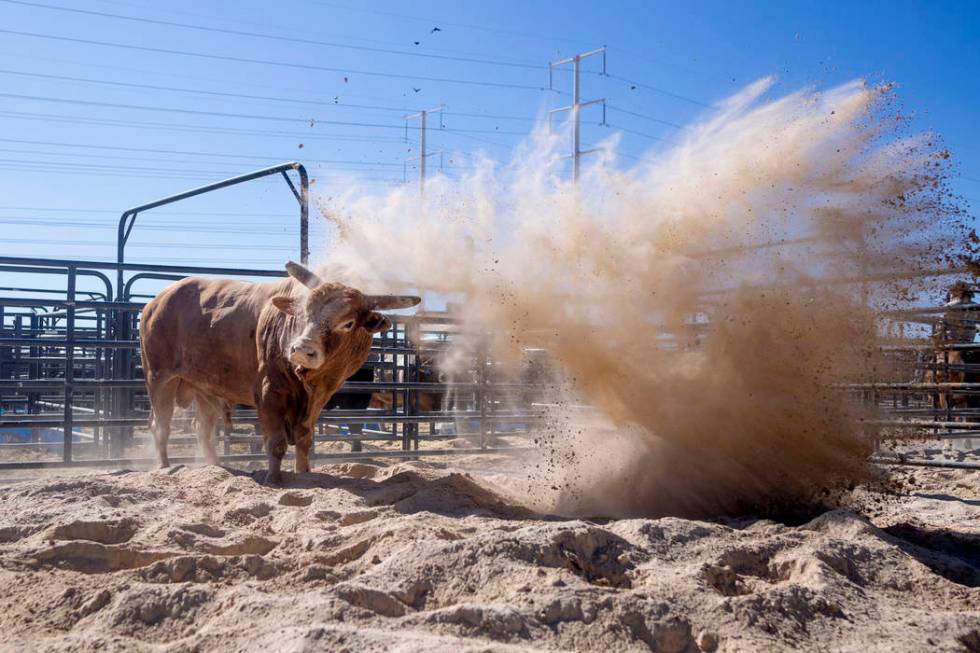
(305,354)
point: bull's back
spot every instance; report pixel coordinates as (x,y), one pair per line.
(203,331)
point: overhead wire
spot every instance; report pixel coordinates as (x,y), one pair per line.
(657,89)
(270,62)
(268,98)
(184,127)
(99,243)
(497,62)
(111,227)
(224,19)
(277,37)
(244,116)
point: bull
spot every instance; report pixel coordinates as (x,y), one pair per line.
(284,347)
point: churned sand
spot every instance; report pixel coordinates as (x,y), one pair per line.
(411,557)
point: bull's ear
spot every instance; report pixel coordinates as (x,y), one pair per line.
(285,304)
(376,323)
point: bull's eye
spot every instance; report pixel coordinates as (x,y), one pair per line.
(347,326)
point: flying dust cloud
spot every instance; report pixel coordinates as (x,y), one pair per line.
(682,296)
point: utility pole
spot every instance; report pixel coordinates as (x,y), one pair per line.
(423,153)
(577,104)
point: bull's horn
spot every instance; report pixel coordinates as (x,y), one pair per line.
(303,274)
(390,302)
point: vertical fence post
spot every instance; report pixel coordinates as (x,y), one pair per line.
(412,362)
(69,361)
(482,394)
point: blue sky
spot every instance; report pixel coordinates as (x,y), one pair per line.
(70,163)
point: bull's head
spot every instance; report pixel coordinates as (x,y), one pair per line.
(332,315)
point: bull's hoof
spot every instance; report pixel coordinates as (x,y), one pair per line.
(273,479)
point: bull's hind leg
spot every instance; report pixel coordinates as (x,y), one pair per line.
(163,394)
(209,411)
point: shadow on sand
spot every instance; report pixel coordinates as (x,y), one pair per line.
(954,556)
(407,491)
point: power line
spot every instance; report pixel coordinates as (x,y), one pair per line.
(642,134)
(237,214)
(199,259)
(225,19)
(183,76)
(333,164)
(107,166)
(20,164)
(644,116)
(257,160)
(222,114)
(270,62)
(276,37)
(147,173)
(175,89)
(184,127)
(220,171)
(661,91)
(111,227)
(193,112)
(481,140)
(433,21)
(98,243)
(265,98)
(632,82)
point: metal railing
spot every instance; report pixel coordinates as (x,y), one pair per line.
(72,390)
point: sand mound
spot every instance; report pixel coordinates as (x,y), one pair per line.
(411,558)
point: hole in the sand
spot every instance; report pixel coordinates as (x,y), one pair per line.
(14,533)
(970,641)
(736,571)
(103,532)
(596,555)
(954,556)
(207,530)
(296,499)
(92,557)
(208,568)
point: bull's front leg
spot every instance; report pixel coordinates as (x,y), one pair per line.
(274,438)
(304,442)
(303,432)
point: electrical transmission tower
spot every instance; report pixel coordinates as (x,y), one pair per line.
(423,153)
(577,104)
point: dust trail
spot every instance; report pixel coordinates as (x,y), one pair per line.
(683,296)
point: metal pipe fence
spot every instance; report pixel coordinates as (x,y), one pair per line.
(72,391)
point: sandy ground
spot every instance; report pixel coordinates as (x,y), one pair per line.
(412,557)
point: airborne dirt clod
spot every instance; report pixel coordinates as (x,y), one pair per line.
(412,558)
